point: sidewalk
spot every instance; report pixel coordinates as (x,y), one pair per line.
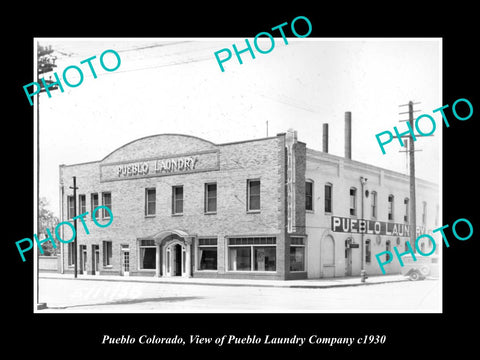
(306,283)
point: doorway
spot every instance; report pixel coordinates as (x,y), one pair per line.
(348,258)
(176,260)
(125,258)
(83,259)
(95,259)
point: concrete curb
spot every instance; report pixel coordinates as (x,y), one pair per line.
(215,282)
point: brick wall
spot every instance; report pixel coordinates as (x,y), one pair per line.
(237,162)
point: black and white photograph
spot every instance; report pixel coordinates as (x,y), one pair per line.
(240,190)
(275,183)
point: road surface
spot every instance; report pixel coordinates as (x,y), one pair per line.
(66,295)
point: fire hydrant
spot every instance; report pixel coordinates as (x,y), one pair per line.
(363,275)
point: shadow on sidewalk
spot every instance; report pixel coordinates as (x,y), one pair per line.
(131,301)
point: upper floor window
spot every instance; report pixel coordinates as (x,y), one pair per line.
(177,199)
(107,202)
(70,207)
(82,203)
(328,198)
(424,212)
(390,207)
(374,204)
(150,201)
(353,201)
(211,198)
(309,195)
(407,209)
(93,203)
(253,195)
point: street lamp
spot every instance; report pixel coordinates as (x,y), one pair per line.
(363,272)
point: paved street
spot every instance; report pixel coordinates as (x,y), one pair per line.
(67,295)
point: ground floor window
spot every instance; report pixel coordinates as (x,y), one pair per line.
(71,253)
(107,253)
(252,254)
(297,254)
(368,251)
(207,254)
(148,253)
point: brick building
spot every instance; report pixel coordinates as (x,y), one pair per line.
(263,208)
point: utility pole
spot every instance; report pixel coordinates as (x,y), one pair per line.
(363,272)
(74,187)
(411,150)
(45,63)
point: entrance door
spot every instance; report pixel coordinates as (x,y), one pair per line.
(348,258)
(95,259)
(177,260)
(83,259)
(125,256)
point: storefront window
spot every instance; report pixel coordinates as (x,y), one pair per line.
(148,253)
(264,258)
(240,258)
(252,254)
(207,254)
(297,254)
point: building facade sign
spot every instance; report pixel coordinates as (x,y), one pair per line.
(361,226)
(160,166)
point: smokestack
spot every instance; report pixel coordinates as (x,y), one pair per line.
(348,135)
(325,138)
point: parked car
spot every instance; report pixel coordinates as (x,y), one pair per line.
(421,268)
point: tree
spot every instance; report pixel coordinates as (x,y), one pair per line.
(47,220)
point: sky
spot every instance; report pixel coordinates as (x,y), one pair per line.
(176,86)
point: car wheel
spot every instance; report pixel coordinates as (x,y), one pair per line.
(414,275)
(424,270)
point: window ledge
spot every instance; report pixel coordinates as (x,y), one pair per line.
(210,213)
(253,211)
(253,271)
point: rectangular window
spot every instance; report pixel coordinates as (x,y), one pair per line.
(177,200)
(424,212)
(374,204)
(388,248)
(390,207)
(240,258)
(368,252)
(253,195)
(93,203)
(207,254)
(148,253)
(107,253)
(309,195)
(264,258)
(150,201)
(82,203)
(210,198)
(328,198)
(252,254)
(106,201)
(70,207)
(71,254)
(353,201)
(297,254)
(407,206)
